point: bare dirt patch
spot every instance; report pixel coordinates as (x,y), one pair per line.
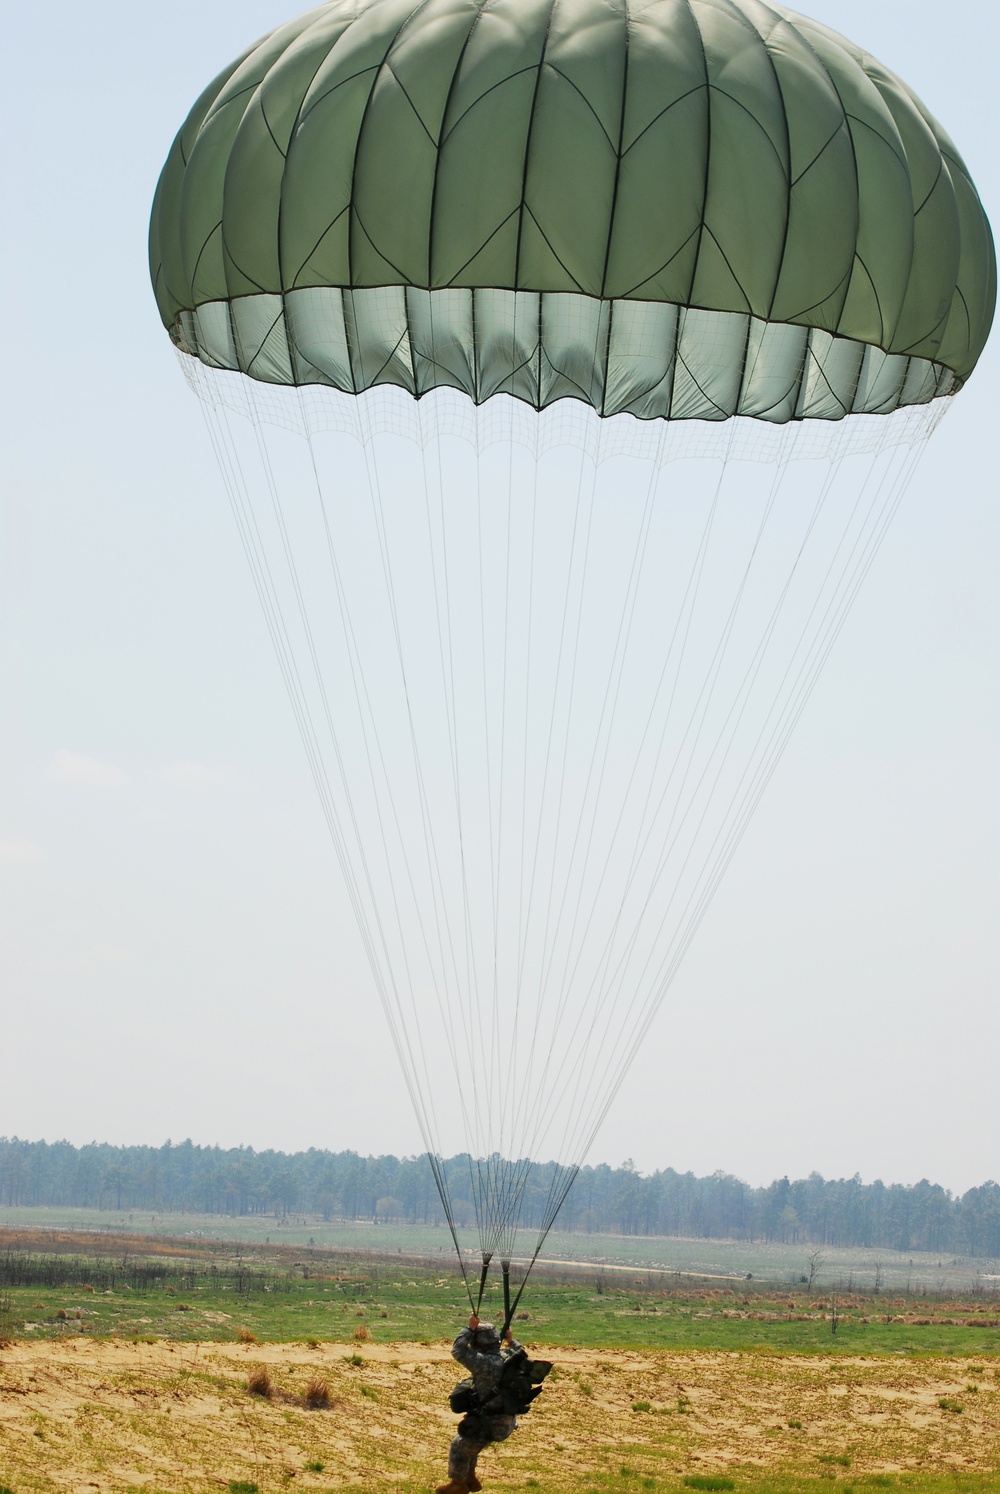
(123,1417)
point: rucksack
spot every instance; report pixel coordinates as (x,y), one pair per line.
(520,1383)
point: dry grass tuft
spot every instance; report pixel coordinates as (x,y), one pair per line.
(259,1382)
(361,1334)
(245,1336)
(317,1394)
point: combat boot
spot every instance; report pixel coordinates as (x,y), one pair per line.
(474,1484)
(454,1486)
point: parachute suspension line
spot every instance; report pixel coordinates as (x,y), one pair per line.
(443,589)
(611,692)
(397,1026)
(513,1165)
(738,709)
(608,989)
(575,579)
(521,1149)
(435,881)
(499,1167)
(603,985)
(568,683)
(894,485)
(470,1006)
(432,864)
(713,882)
(681,629)
(268,593)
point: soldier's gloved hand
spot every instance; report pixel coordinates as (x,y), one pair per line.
(508,1337)
(473,1321)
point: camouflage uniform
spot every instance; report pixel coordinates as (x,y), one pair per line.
(479,1351)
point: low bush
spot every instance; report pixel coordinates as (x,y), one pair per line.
(259,1382)
(317,1397)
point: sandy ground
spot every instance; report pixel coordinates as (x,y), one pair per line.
(116,1416)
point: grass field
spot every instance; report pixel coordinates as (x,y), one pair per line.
(659,1385)
(772,1261)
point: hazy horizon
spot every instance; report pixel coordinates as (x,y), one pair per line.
(663,1166)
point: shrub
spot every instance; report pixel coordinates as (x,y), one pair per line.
(245,1336)
(361,1334)
(259,1382)
(315,1466)
(237,1487)
(707,1481)
(641,1406)
(317,1397)
(948,1404)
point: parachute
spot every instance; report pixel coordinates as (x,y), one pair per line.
(566,361)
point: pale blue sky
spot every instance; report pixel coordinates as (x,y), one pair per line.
(174,936)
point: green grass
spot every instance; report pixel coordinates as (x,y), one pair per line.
(413,1304)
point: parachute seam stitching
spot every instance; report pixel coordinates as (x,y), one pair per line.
(462,268)
(377,71)
(821,152)
(341,83)
(821,63)
(932,189)
(405,92)
(627,295)
(500,83)
(578,90)
(555,255)
(527,147)
(292,133)
(614,193)
(708,161)
(332,224)
(698,88)
(439,145)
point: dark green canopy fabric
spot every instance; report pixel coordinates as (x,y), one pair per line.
(680,208)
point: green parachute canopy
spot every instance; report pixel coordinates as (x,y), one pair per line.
(689,208)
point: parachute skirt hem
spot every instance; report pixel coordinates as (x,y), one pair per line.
(652,360)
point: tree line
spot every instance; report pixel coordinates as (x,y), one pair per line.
(239,1181)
